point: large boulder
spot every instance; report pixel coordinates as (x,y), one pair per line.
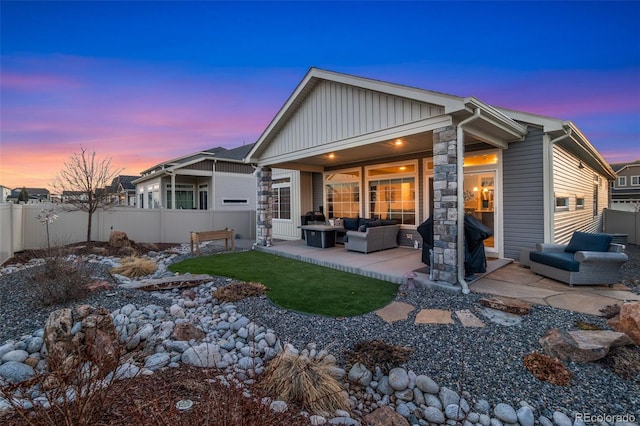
(70,344)
(119,239)
(628,321)
(582,345)
(385,416)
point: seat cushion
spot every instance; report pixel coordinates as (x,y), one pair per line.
(558,260)
(583,241)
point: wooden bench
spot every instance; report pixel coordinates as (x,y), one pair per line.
(225,234)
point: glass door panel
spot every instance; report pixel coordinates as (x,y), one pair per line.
(479,198)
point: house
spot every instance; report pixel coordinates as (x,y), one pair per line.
(124,190)
(73,196)
(5,193)
(36,195)
(354,146)
(625,191)
(215,179)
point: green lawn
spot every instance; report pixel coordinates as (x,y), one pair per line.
(297,285)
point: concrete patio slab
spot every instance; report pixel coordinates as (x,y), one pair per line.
(395,311)
(510,289)
(515,273)
(587,303)
(434,316)
(621,295)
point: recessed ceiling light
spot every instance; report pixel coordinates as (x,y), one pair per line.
(332,155)
(398,142)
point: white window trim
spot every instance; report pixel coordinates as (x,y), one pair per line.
(414,175)
(565,205)
(637,179)
(427,173)
(285,182)
(357,180)
(182,187)
(580,206)
(622,181)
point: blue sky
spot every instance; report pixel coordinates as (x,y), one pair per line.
(143,82)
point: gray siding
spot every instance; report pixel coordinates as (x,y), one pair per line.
(523,207)
(335,111)
(318,190)
(570,180)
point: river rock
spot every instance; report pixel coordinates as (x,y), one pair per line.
(398,379)
(506,413)
(359,374)
(14,371)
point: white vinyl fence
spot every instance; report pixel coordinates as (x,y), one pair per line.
(20,228)
(623,222)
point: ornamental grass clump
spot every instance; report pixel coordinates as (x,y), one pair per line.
(60,279)
(306,382)
(133,267)
(237,291)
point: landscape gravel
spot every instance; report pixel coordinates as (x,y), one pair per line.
(485,364)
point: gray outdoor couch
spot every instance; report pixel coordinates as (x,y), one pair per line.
(373,239)
(589,259)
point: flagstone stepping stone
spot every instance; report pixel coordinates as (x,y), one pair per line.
(507,304)
(500,317)
(395,311)
(434,316)
(468,319)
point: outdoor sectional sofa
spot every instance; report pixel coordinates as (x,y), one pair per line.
(371,235)
(588,259)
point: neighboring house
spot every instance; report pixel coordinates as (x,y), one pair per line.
(625,191)
(124,190)
(215,179)
(70,196)
(360,147)
(36,195)
(5,193)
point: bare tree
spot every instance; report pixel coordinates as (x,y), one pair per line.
(88,181)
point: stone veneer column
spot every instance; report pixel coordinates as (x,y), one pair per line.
(445,205)
(264,215)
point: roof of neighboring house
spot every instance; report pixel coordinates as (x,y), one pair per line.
(235,155)
(619,166)
(125,180)
(33,192)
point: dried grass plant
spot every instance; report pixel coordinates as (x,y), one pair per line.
(305,382)
(133,267)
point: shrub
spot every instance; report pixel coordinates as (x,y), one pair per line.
(134,266)
(60,279)
(305,382)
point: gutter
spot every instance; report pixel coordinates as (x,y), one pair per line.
(460,192)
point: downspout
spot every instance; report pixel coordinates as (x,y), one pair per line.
(460,192)
(213,185)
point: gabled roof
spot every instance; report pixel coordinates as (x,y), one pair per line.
(33,192)
(618,167)
(125,180)
(235,155)
(454,105)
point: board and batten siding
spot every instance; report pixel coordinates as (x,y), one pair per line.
(571,181)
(335,111)
(523,195)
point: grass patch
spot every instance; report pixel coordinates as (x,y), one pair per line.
(297,285)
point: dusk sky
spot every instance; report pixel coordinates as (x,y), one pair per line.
(144,82)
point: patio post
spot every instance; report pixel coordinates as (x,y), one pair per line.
(445,209)
(263,213)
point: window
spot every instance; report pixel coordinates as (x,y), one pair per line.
(184,196)
(622,181)
(562,202)
(153,196)
(595,198)
(235,201)
(203,197)
(281,205)
(343,193)
(392,192)
(635,180)
(579,202)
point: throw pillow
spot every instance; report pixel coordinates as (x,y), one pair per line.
(584,241)
(373,224)
(350,224)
